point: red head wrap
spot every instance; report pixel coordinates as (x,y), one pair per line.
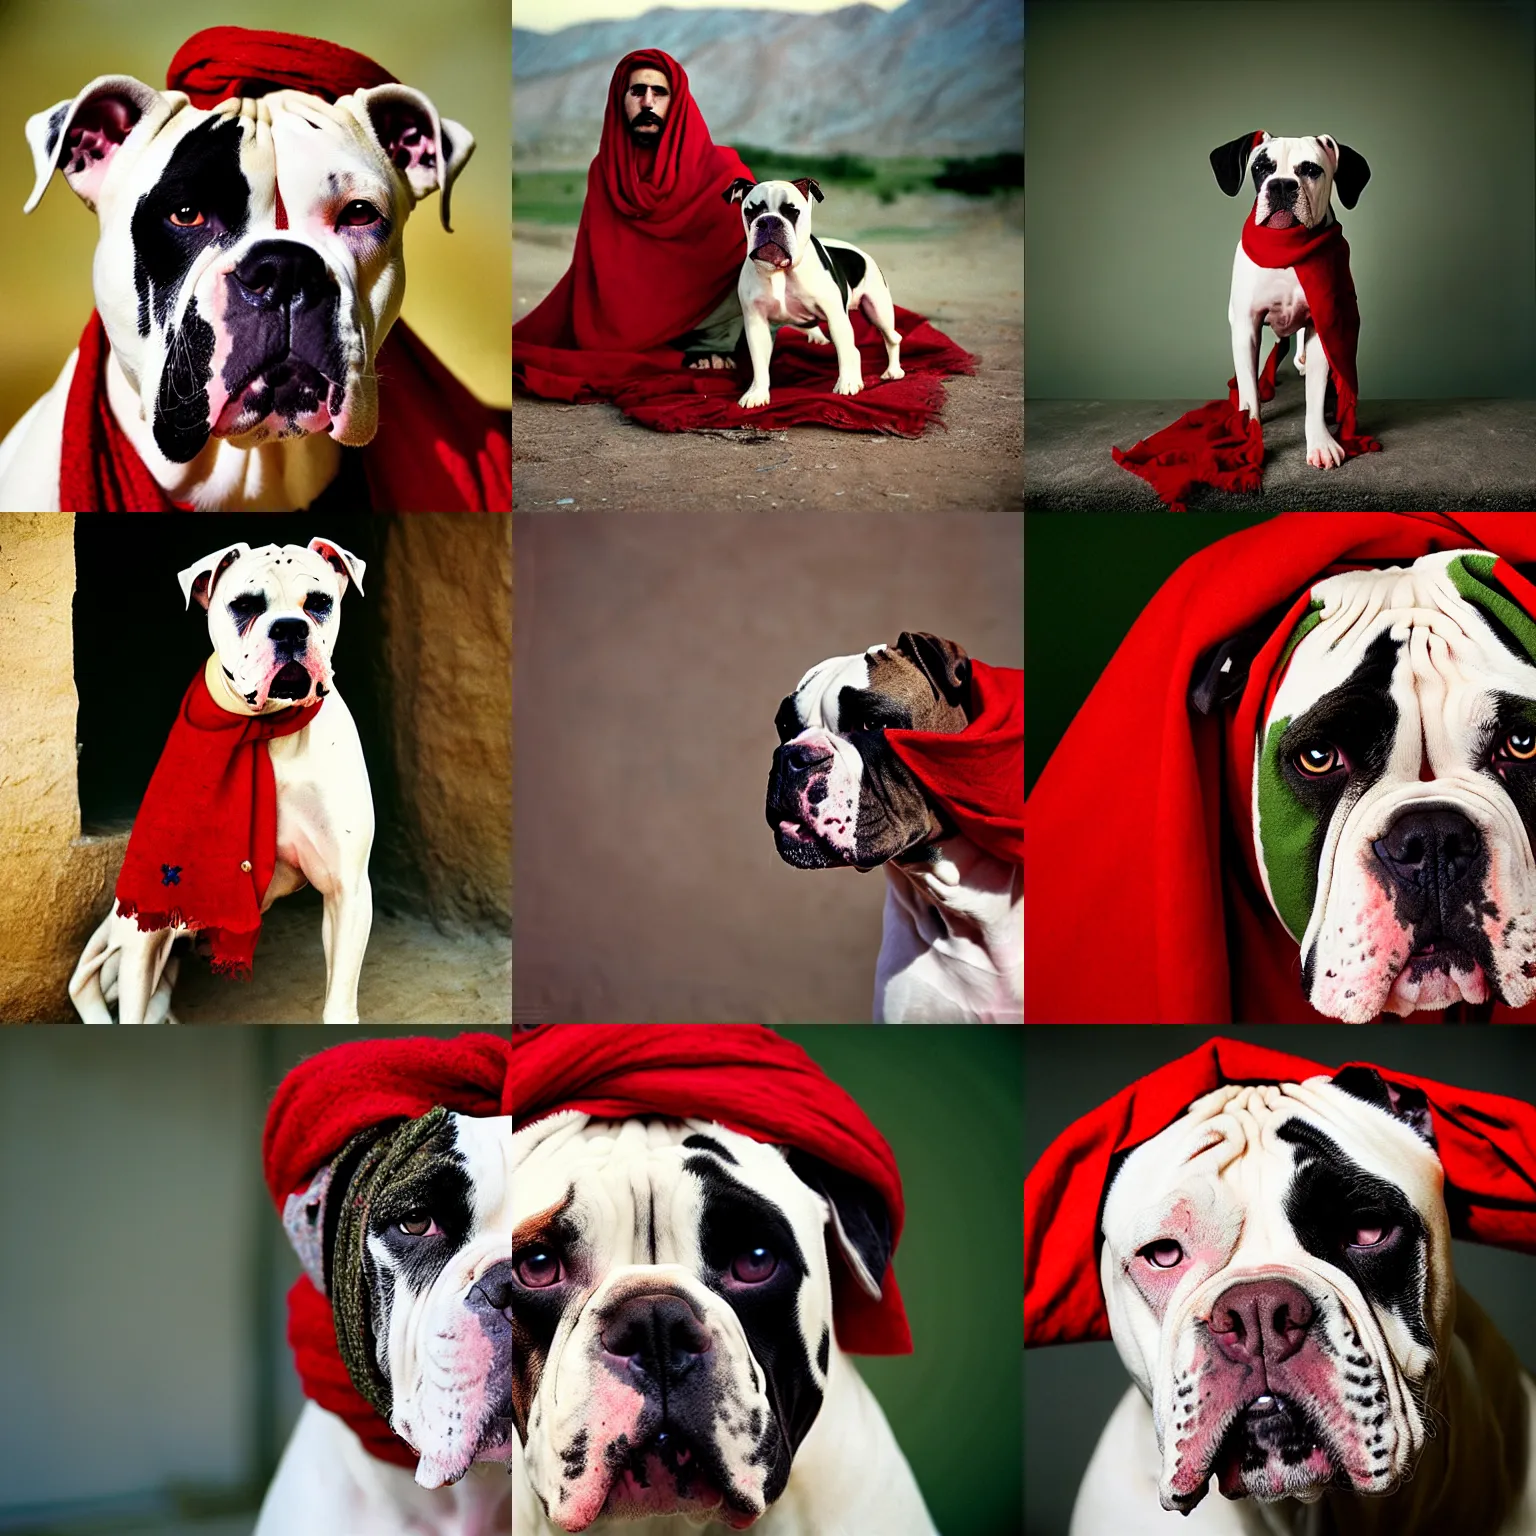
(1486,1144)
(1183,933)
(220,62)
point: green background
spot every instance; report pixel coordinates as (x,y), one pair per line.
(949,1102)
(1071,1390)
(1129,241)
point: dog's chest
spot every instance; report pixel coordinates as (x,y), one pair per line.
(785,300)
(1277,298)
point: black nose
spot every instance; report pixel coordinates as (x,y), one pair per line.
(492,1292)
(657,1337)
(288,631)
(1283,189)
(275,273)
(802,756)
(1429,852)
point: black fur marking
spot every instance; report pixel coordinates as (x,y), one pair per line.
(55,124)
(836,269)
(1351,176)
(824,1350)
(701,1143)
(1262,167)
(181,407)
(1227,162)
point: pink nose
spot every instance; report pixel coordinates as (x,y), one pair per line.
(1261,1320)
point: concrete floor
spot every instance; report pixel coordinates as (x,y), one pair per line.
(1437,455)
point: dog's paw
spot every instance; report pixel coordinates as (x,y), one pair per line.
(819,336)
(848,386)
(1324,452)
(753,398)
(895,371)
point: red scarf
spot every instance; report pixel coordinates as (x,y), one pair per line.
(1486,1144)
(657,249)
(437,448)
(977,774)
(1146,900)
(749,1080)
(318,1108)
(204,843)
(1217,444)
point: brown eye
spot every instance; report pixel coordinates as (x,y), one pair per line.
(1317,760)
(187,218)
(417,1224)
(1520,743)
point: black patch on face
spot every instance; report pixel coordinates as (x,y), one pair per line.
(246,609)
(203,175)
(863,709)
(752,210)
(701,1143)
(181,406)
(444,1194)
(735,1220)
(536,1314)
(787,721)
(318,606)
(1308,168)
(1329,1197)
(1511,713)
(1262,167)
(824,1350)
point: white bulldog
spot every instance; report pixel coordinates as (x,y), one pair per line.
(249,267)
(407,1231)
(1394,791)
(273,616)
(676,1369)
(1294,179)
(791,277)
(952,946)
(1277,1270)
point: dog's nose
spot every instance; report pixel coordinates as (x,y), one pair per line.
(1261,1319)
(1283,189)
(287,631)
(657,1337)
(492,1292)
(802,756)
(275,273)
(1429,851)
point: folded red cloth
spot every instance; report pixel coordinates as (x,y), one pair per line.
(1486,1144)
(319,1106)
(1219,445)
(746,1078)
(1184,924)
(204,844)
(977,774)
(220,62)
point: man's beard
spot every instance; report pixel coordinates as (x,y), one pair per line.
(645,115)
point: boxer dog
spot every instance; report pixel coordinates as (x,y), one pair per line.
(407,1232)
(1295,180)
(676,1368)
(273,616)
(250,265)
(791,277)
(952,949)
(1277,1270)
(1394,792)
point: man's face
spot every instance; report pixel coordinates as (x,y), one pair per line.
(646,103)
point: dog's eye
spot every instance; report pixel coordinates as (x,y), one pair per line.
(754,1266)
(1316,760)
(318,606)
(357,214)
(1370,1232)
(1520,743)
(187,217)
(1163,1254)
(539,1268)
(418,1224)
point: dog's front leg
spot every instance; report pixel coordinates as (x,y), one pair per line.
(760,349)
(344,930)
(1323,450)
(1245,359)
(850,368)
(140,964)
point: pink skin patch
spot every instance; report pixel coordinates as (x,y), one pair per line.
(662,1492)
(312,662)
(614,1415)
(456,1424)
(1357,983)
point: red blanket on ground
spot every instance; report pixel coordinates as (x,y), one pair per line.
(658,248)
(746,1078)
(1145,899)
(1219,445)
(204,844)
(977,774)
(1486,1144)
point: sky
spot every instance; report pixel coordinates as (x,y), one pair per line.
(551,15)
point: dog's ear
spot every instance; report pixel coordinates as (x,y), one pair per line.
(943,662)
(428,150)
(1230,161)
(200,578)
(1400,1100)
(808,188)
(860,1223)
(1350,172)
(310,1215)
(80,137)
(346,565)
(738,189)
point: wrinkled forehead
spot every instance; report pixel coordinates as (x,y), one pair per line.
(1443,615)
(286,569)
(1246,1137)
(1286,152)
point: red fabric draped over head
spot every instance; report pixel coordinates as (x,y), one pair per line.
(1486,1144)
(319,1106)
(746,1078)
(1183,933)
(220,62)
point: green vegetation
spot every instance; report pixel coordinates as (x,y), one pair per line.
(555,197)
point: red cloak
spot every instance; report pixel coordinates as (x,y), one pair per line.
(1485,1141)
(657,249)
(1145,899)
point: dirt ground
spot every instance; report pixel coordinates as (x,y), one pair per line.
(412,974)
(958,262)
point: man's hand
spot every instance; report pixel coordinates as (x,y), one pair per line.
(714,360)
